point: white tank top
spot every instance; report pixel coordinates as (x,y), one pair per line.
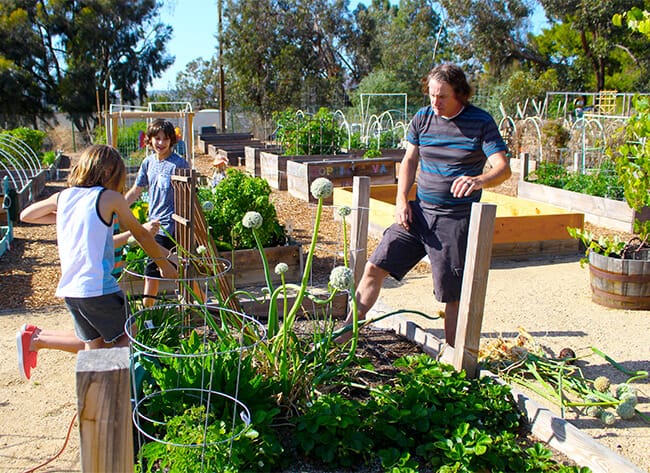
(85,243)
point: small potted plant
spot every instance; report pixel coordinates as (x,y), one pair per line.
(620,270)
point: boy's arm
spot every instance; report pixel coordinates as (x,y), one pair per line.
(41,212)
(133,194)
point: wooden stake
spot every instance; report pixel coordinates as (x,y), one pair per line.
(472,297)
(104,410)
(359,227)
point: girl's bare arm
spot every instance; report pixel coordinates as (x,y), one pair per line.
(43,211)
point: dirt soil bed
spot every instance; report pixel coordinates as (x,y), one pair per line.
(549,297)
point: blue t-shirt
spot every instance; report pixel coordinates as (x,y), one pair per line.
(450,148)
(156,175)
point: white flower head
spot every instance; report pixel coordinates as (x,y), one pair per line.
(344,211)
(208,205)
(201,249)
(252,220)
(321,188)
(281,268)
(341,278)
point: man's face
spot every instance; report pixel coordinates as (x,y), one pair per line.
(443,99)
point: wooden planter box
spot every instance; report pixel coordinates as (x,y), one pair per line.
(206,139)
(608,213)
(521,228)
(273,167)
(620,283)
(300,174)
(252,158)
(246,269)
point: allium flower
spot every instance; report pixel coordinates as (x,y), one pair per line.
(601,383)
(252,220)
(321,188)
(201,249)
(608,418)
(341,278)
(208,205)
(281,268)
(626,409)
(345,211)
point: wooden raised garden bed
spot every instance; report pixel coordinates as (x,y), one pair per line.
(252,158)
(300,174)
(522,227)
(600,211)
(273,167)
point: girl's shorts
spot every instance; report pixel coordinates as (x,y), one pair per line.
(100,316)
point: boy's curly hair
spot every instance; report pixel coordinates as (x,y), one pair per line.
(158,125)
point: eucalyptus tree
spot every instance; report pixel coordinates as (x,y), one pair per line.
(405,38)
(26,64)
(76,52)
(599,46)
(198,83)
(491,35)
(284,53)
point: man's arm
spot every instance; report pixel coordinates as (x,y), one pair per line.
(407,170)
(499,171)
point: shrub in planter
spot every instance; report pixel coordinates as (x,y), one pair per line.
(224,207)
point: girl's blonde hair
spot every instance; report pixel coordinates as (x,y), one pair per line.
(99,165)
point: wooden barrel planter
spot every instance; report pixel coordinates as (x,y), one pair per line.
(620,283)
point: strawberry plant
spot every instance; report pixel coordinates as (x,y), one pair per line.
(307,394)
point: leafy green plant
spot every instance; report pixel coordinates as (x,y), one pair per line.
(633,162)
(32,138)
(425,414)
(300,134)
(601,182)
(632,165)
(225,205)
(48,158)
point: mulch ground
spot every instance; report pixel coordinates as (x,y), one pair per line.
(29,272)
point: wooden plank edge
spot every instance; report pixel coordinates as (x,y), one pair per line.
(544,425)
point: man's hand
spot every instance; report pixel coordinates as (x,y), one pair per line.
(403,214)
(465,185)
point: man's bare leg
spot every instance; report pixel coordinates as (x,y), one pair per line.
(451,319)
(366,294)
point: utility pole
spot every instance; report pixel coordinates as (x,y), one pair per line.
(222,91)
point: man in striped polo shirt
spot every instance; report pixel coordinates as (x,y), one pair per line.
(451,141)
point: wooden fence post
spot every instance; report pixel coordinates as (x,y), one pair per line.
(524,163)
(472,297)
(359,227)
(104,410)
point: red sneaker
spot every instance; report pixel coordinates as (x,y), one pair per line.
(26,357)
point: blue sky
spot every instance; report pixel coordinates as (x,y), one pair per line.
(194,35)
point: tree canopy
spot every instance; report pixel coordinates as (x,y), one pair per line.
(72,55)
(69,54)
